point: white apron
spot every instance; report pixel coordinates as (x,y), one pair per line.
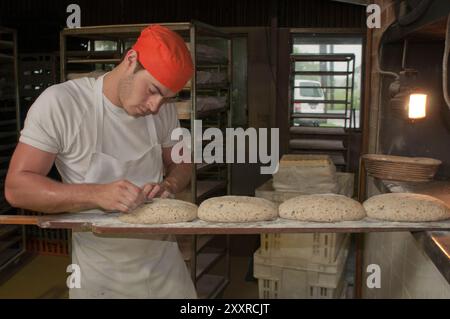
(128,267)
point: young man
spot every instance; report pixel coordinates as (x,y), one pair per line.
(110,141)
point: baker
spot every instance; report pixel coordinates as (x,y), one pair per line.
(110,141)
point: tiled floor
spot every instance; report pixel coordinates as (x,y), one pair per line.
(45,277)
(42,277)
(240,286)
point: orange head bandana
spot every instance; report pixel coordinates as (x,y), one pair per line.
(164,54)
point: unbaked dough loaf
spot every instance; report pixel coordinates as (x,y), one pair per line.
(322,208)
(406,207)
(162,211)
(237,209)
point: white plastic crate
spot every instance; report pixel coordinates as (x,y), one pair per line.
(316,247)
(323,274)
(287,277)
(293,285)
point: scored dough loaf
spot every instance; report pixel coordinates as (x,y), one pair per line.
(322,208)
(237,209)
(406,207)
(162,211)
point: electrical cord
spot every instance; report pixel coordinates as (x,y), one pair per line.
(402,21)
(379,57)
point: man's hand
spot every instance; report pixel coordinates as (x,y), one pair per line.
(152,190)
(122,196)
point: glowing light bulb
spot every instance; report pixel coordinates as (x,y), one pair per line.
(417,106)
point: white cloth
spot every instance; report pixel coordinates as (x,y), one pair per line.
(61,121)
(126,267)
(306,179)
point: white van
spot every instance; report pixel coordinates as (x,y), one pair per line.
(309,90)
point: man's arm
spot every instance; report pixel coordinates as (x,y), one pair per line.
(177,177)
(27,186)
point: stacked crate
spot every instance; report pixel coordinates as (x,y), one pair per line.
(51,242)
(304,266)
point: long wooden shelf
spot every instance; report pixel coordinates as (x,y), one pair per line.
(319,116)
(322,87)
(202,114)
(209,87)
(321,101)
(108,223)
(98,54)
(317,144)
(87,61)
(130,30)
(321,57)
(304,130)
(323,73)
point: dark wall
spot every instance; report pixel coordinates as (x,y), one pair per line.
(39,22)
(430,137)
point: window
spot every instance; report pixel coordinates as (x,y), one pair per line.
(328,88)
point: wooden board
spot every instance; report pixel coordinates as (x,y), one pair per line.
(108,223)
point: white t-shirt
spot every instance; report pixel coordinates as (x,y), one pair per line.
(61,121)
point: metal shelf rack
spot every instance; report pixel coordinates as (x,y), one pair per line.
(306,133)
(12,238)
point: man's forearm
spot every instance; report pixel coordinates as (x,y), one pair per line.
(178,177)
(42,194)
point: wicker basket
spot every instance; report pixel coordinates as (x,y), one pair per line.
(400,168)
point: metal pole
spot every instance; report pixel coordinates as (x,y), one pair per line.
(62,56)
(193,113)
(230,110)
